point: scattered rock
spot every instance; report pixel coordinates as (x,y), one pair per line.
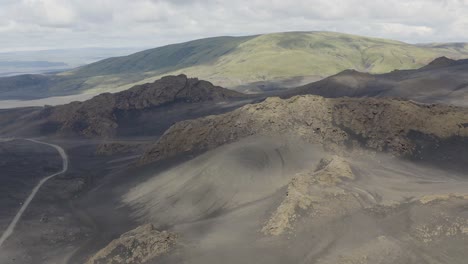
(111,148)
(439,227)
(442,197)
(136,246)
(44,218)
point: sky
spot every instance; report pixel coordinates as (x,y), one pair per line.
(51,24)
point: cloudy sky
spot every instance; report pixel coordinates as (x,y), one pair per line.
(43,24)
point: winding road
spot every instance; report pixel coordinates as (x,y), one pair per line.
(9,231)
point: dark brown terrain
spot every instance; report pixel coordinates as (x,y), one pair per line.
(182,171)
(144,110)
(442,81)
(395,126)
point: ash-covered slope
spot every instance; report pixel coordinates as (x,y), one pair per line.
(262,193)
(276,200)
(397,126)
(142,110)
(441,81)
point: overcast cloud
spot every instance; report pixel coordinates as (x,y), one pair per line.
(42,24)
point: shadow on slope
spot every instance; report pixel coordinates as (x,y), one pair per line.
(222,180)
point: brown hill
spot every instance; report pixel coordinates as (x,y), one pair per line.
(442,81)
(146,109)
(440,62)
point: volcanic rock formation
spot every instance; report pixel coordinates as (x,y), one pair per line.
(149,108)
(397,126)
(140,245)
(98,116)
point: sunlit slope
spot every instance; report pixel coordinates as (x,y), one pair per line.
(286,55)
(236,61)
(165,58)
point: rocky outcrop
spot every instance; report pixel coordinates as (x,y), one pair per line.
(137,246)
(310,189)
(338,124)
(99,115)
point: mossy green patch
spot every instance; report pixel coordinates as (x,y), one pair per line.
(234,61)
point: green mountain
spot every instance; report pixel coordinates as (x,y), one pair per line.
(244,63)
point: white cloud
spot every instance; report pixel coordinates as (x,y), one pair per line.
(77,23)
(47,13)
(404,31)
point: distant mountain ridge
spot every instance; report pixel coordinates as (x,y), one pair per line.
(31,64)
(251,63)
(56,60)
(441,81)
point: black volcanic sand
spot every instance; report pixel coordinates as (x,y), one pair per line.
(22,165)
(103,204)
(70,211)
(83,210)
